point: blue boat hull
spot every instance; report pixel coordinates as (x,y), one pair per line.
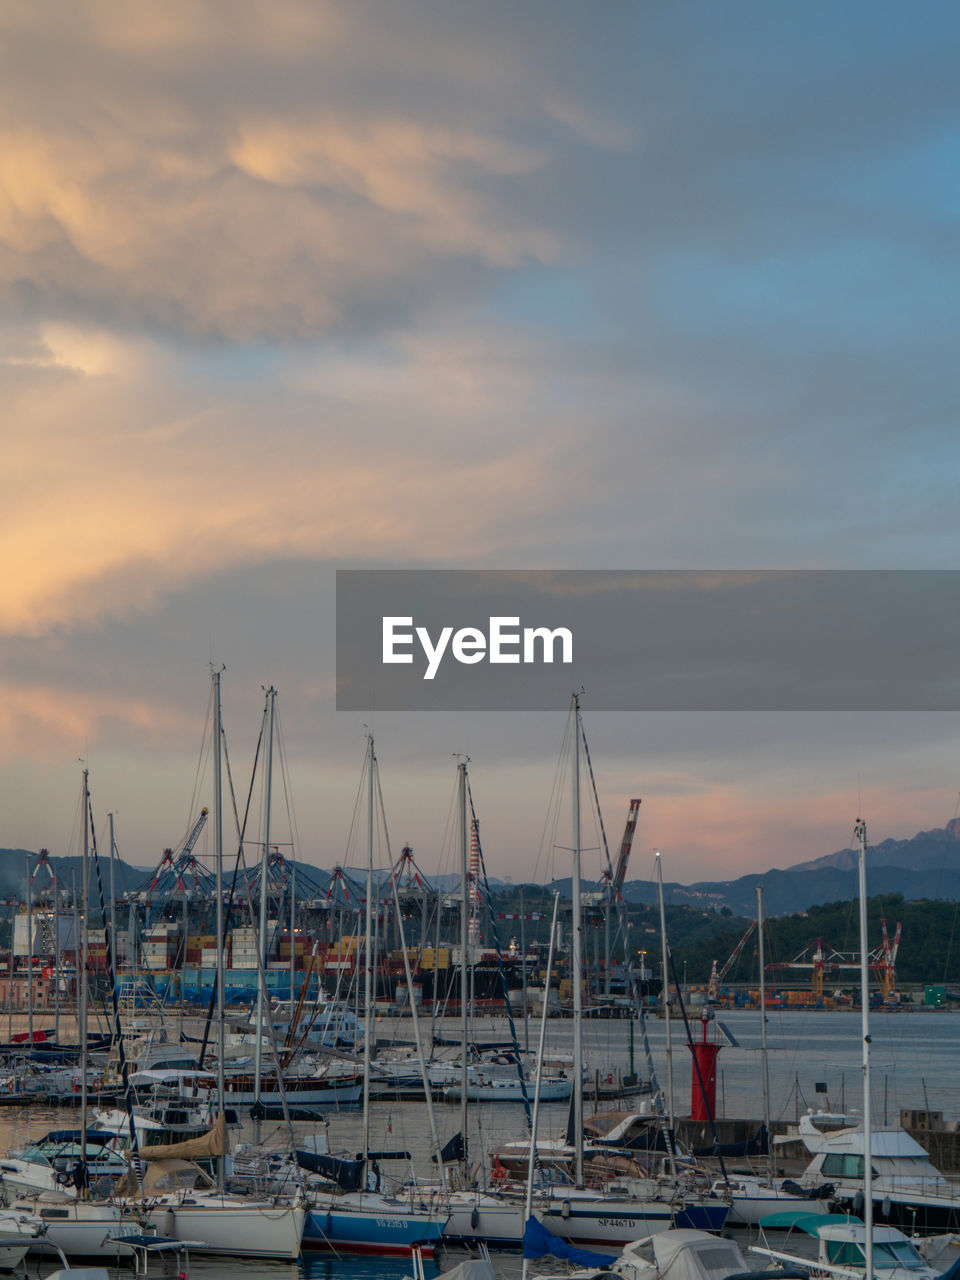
(383,1233)
(703,1216)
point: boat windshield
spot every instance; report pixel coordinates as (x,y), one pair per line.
(34,1155)
(887,1255)
(897,1253)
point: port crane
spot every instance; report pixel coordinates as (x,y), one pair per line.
(823,960)
(612,881)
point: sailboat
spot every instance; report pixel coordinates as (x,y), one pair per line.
(631,1207)
(369,1220)
(755,1197)
(175,1197)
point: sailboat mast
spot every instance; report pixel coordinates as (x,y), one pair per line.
(368,931)
(82,1020)
(535,1120)
(666,991)
(577,951)
(861,831)
(264,894)
(464,945)
(293,930)
(764,1060)
(29,953)
(218,858)
(113,883)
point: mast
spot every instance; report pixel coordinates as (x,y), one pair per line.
(764,1060)
(464,944)
(113,882)
(84,984)
(368,976)
(545,1013)
(666,990)
(30,953)
(293,929)
(218,859)
(264,895)
(861,832)
(56,962)
(577,951)
(523,975)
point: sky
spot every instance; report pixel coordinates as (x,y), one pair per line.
(289,287)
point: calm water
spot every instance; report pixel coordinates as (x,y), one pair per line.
(914,1065)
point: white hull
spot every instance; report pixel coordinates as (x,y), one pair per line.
(476,1218)
(79,1229)
(596,1221)
(11,1255)
(257,1229)
(747,1209)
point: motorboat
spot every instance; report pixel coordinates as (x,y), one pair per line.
(841,1241)
(50,1164)
(908,1190)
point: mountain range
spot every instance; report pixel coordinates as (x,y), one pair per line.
(925,866)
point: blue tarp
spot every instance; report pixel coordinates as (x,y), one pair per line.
(538,1241)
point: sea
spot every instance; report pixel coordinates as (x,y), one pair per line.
(814,1061)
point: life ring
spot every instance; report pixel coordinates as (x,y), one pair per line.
(498,1173)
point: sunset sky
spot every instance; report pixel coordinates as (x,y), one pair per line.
(286,287)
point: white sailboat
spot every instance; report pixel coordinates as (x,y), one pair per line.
(755,1197)
(369,1221)
(579,1215)
(176,1198)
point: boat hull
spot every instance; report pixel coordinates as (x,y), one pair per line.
(607,1223)
(371,1224)
(257,1230)
(483,1219)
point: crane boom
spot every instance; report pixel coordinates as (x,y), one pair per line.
(194,834)
(626,844)
(736,951)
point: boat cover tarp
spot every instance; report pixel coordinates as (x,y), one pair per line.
(213,1143)
(808,1222)
(347,1174)
(95,1137)
(538,1242)
(162,1176)
(471,1269)
(758,1145)
(695,1255)
(952,1273)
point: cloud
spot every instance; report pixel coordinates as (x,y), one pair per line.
(263,175)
